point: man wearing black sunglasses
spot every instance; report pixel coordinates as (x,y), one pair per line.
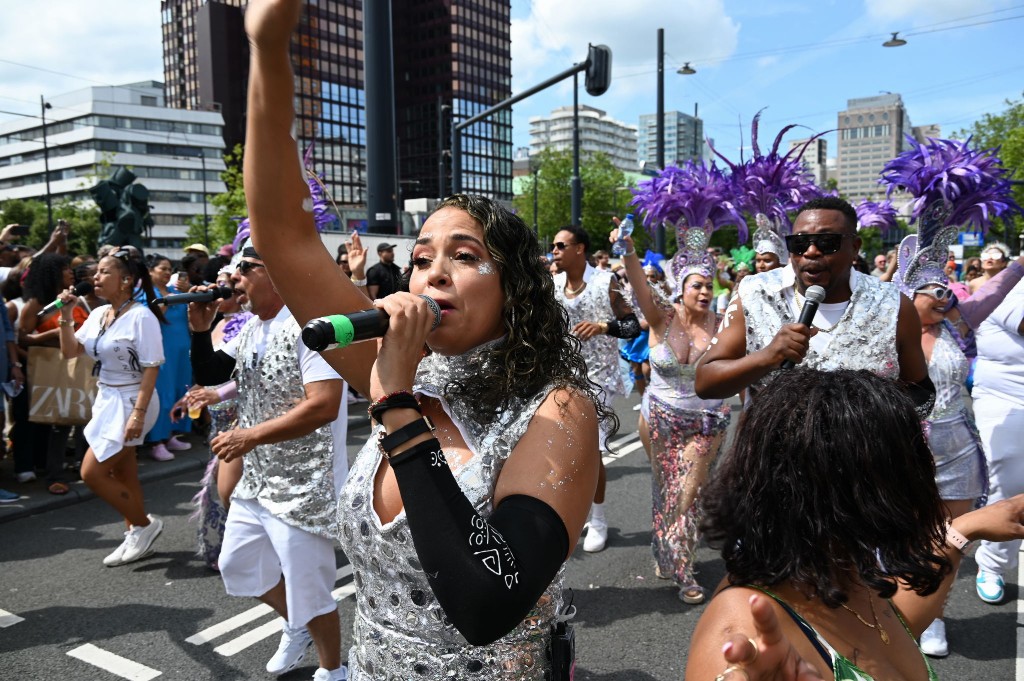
(863,323)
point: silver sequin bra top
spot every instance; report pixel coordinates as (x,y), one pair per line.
(600,352)
(863,338)
(948,368)
(400,632)
(294,479)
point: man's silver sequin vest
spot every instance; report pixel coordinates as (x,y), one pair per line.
(400,632)
(601,352)
(864,337)
(294,479)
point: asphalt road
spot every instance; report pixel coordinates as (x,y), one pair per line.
(168,614)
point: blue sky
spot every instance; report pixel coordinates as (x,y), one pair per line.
(800,58)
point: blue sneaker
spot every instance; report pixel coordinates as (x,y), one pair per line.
(7,497)
(990,586)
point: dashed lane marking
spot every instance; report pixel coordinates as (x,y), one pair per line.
(115,664)
(9,618)
(620,448)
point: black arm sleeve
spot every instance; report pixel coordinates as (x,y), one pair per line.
(627,327)
(923,395)
(487,574)
(209,367)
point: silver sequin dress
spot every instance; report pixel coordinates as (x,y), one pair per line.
(400,631)
(863,338)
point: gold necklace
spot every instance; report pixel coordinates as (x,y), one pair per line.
(877,626)
(800,304)
(571,291)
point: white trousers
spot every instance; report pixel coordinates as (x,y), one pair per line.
(1001,425)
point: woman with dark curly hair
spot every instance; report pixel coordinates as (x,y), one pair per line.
(838,549)
(460,511)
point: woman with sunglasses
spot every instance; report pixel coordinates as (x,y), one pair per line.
(457,529)
(125,339)
(994,259)
(947,330)
(680,431)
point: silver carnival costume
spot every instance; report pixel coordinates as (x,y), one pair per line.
(400,630)
(864,337)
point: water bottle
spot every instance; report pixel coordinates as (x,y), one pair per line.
(625,229)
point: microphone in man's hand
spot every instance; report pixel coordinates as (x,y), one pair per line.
(215,293)
(82,288)
(813,296)
(340,330)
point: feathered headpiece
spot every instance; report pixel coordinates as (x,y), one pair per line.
(742,256)
(696,200)
(322,201)
(881,215)
(769,187)
(953,185)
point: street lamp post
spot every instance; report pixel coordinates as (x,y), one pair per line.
(576,186)
(206,219)
(535,168)
(43,106)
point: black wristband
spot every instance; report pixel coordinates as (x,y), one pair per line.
(399,401)
(431,446)
(404,434)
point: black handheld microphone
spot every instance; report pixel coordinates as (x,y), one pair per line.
(82,288)
(340,330)
(813,296)
(215,293)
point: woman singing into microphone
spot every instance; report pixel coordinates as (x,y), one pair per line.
(124,338)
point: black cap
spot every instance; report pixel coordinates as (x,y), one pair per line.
(385,246)
(250,252)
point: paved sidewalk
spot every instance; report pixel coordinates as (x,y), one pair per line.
(36,499)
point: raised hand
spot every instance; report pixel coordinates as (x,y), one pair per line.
(270,23)
(356,256)
(768,655)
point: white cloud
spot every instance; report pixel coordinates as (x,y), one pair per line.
(556,33)
(922,12)
(113,42)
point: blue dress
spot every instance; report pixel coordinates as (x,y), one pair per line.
(175,375)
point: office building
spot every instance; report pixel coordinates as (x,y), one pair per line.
(176,154)
(684,138)
(871,131)
(452,58)
(599,132)
(814,158)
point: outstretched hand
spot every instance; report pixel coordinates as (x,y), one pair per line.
(270,23)
(356,256)
(768,655)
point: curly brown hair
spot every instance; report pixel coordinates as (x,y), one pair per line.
(539,350)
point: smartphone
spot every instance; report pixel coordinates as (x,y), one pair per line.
(20,230)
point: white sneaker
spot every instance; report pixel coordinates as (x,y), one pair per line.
(933,640)
(339,674)
(291,651)
(597,536)
(26,476)
(117,557)
(140,540)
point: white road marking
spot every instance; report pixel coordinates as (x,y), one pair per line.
(619,451)
(230,624)
(115,664)
(237,645)
(9,618)
(1020,617)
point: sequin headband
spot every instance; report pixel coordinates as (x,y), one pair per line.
(767,239)
(692,256)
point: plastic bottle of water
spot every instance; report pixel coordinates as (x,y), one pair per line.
(625,229)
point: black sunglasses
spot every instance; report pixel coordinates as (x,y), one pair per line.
(827,244)
(560,246)
(244,266)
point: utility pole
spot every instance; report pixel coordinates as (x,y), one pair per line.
(576,186)
(43,106)
(659,230)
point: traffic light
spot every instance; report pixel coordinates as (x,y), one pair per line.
(599,70)
(124,209)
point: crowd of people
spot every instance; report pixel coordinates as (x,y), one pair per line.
(878,428)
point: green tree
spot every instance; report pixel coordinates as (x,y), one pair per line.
(605,194)
(1004,130)
(228,208)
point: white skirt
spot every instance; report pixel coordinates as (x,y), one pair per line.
(110,413)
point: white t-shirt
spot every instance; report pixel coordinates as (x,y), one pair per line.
(131,343)
(313,368)
(1000,367)
(828,314)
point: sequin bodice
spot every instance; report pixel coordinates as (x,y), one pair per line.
(948,369)
(672,381)
(400,631)
(294,479)
(601,352)
(863,338)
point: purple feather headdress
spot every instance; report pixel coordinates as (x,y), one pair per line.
(696,200)
(881,215)
(772,185)
(322,201)
(953,185)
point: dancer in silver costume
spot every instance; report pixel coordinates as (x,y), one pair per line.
(862,324)
(456,528)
